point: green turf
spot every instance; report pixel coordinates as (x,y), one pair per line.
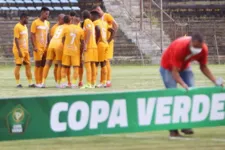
(124,78)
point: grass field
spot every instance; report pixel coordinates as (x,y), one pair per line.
(124,78)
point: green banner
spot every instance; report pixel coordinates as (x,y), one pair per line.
(109,113)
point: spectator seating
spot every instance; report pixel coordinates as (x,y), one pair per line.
(13,7)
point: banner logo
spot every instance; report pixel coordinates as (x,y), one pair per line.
(17,120)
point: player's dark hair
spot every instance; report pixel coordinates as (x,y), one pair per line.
(86,14)
(95,14)
(44,9)
(74,14)
(23,15)
(95,6)
(197,37)
(66,19)
(82,24)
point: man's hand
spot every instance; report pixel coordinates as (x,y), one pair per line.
(35,49)
(219,82)
(20,54)
(185,87)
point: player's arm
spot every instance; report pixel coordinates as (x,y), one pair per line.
(203,65)
(87,38)
(48,35)
(97,33)
(16,36)
(33,37)
(176,65)
(177,78)
(115,25)
(63,40)
(112,35)
(112,21)
(206,71)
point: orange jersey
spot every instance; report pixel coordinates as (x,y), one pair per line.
(52,31)
(109,19)
(40,29)
(56,40)
(21,33)
(73,35)
(89,26)
(103,30)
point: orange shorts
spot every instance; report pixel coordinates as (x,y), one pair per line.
(24,60)
(71,60)
(54,54)
(38,56)
(90,55)
(102,51)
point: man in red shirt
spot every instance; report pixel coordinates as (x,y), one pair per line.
(175,66)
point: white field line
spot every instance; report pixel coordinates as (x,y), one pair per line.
(164,137)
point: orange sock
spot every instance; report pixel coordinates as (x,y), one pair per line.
(94,73)
(75,75)
(45,73)
(68,75)
(104,74)
(55,72)
(88,72)
(59,74)
(28,73)
(36,71)
(17,74)
(40,74)
(108,65)
(81,71)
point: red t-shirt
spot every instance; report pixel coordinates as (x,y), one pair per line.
(178,54)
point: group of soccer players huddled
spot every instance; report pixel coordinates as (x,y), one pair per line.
(71,44)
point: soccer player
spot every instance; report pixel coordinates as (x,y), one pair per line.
(21,50)
(75,19)
(52,31)
(112,24)
(55,50)
(175,66)
(40,39)
(90,49)
(72,37)
(101,28)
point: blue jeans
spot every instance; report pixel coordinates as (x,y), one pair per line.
(169,82)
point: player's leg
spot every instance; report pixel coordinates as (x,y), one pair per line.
(103,75)
(64,69)
(94,74)
(81,71)
(55,71)
(58,60)
(108,63)
(43,61)
(26,62)
(188,77)
(88,57)
(69,76)
(59,72)
(49,59)
(18,63)
(169,82)
(37,68)
(75,62)
(17,75)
